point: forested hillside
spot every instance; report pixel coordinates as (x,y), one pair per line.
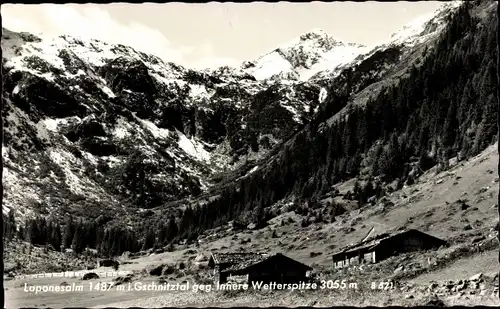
(446,107)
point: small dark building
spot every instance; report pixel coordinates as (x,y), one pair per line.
(251,267)
(383,246)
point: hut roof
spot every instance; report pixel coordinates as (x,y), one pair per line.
(367,243)
(282,260)
(374,241)
(237,260)
(240,261)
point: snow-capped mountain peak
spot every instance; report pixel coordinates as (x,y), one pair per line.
(304,56)
(315,36)
(314,32)
(316,52)
(420,30)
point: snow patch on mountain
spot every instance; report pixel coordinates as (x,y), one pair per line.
(107,91)
(52,124)
(17,192)
(322,95)
(193,148)
(157,132)
(122,129)
(332,60)
(67,161)
(292,110)
(80,72)
(42,131)
(271,64)
(418,30)
(199,92)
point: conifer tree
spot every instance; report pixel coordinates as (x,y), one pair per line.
(33,232)
(78,242)
(162,234)
(69,231)
(172,229)
(149,240)
(55,237)
(10,229)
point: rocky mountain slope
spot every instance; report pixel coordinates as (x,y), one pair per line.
(93,128)
(100,124)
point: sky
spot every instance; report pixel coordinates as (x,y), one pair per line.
(200,35)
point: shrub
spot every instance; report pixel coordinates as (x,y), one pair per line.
(89,276)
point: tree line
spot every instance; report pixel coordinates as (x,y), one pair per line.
(81,234)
